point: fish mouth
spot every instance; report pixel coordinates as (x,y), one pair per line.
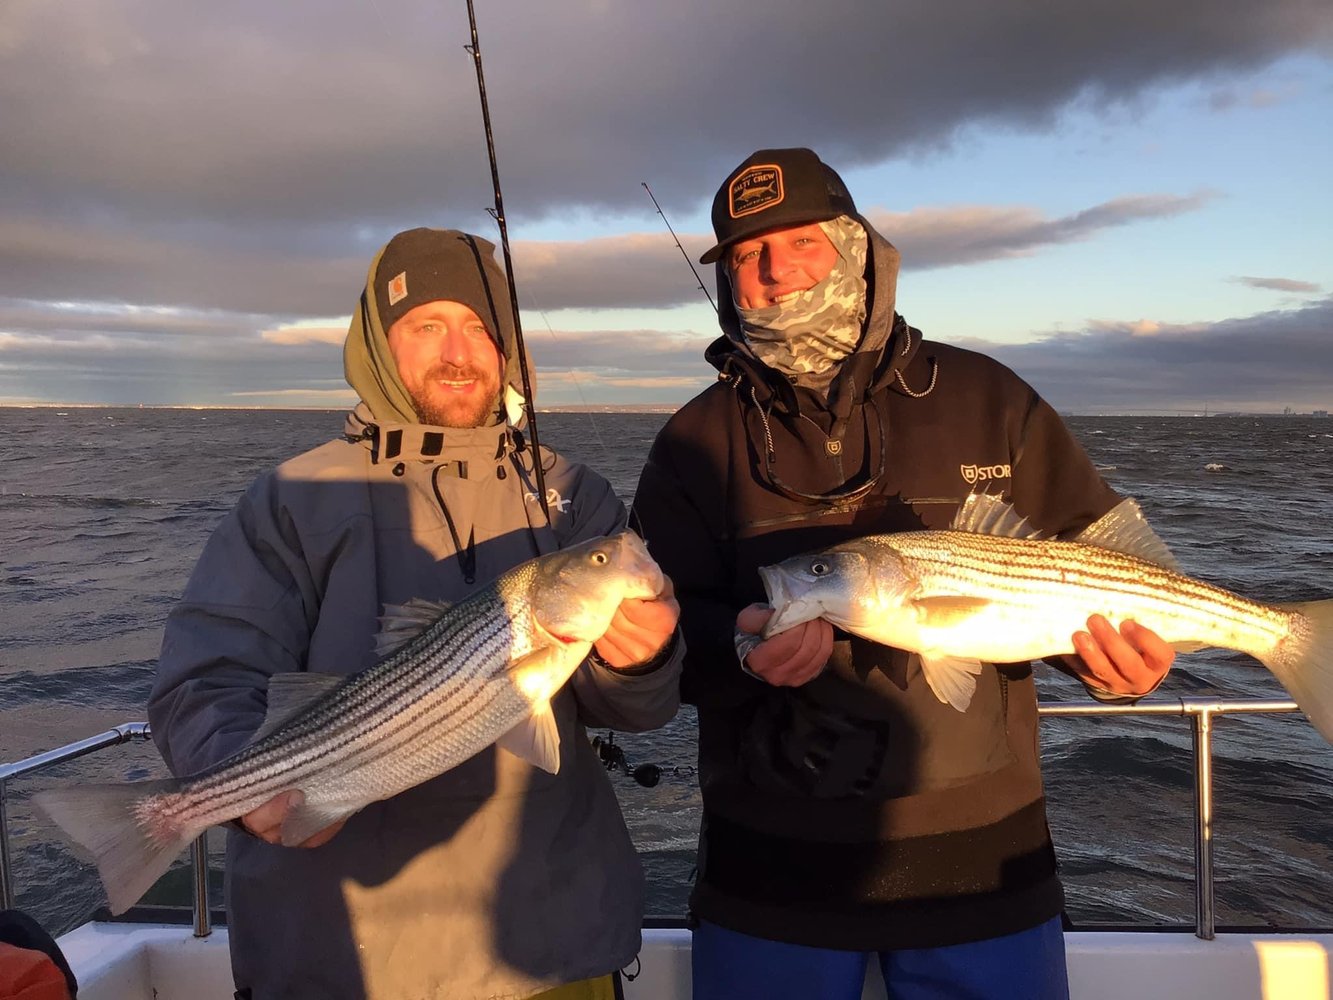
(775,585)
(789,609)
(640,566)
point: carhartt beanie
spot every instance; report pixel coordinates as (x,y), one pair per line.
(426,265)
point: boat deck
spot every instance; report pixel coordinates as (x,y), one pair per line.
(127,961)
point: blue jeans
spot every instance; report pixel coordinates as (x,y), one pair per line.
(1029,965)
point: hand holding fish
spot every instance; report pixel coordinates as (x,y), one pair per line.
(639,629)
(1129,663)
(266,821)
(790,658)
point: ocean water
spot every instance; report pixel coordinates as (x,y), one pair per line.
(103,512)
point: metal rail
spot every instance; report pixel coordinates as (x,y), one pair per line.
(1200,712)
(125,733)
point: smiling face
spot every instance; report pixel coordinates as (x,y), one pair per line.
(771,268)
(448,363)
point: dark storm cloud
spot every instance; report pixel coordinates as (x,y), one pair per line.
(55,262)
(931,238)
(1255,362)
(82,261)
(647,270)
(238,163)
(309,112)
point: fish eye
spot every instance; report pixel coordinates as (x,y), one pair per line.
(819,567)
(600,558)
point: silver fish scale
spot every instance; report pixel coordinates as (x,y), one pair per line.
(1037,573)
(375,730)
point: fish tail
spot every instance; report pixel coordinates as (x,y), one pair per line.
(1303,662)
(122,828)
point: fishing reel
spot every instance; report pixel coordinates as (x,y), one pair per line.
(612,757)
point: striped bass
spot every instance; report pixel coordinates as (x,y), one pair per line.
(991,589)
(450,682)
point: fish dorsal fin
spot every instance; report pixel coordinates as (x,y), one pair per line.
(987,514)
(401,623)
(1124,529)
(289,694)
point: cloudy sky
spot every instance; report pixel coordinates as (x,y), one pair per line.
(1129,202)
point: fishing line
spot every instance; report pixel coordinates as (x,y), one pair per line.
(679,247)
(578,386)
(498,214)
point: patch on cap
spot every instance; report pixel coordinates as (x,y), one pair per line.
(755,189)
(398,288)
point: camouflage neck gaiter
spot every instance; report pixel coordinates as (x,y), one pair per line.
(807,337)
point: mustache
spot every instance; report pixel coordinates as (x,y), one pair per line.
(458,372)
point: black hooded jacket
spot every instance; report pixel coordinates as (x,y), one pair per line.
(857,811)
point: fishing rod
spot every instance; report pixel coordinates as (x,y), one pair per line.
(678,246)
(498,214)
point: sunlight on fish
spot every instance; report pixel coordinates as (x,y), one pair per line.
(991,589)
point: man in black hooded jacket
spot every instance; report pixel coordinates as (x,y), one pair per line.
(847,810)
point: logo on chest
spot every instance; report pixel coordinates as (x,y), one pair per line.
(974,474)
(553,499)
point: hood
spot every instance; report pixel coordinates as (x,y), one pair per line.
(368,364)
(886,344)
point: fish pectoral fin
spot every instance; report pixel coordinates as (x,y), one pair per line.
(953,679)
(536,739)
(305,821)
(947,611)
(401,623)
(538,676)
(289,694)
(1124,529)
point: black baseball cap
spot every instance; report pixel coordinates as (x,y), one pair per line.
(773,189)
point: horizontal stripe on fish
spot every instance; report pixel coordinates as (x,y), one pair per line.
(452,681)
(960,598)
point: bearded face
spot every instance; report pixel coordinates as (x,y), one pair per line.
(448,363)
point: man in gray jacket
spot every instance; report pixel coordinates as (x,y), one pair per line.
(496,878)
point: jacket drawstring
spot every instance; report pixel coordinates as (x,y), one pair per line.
(467,557)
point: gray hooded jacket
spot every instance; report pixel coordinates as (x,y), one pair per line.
(495,879)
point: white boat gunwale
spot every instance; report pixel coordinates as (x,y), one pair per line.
(154,952)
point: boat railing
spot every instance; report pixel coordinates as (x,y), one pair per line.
(1200,711)
(127,732)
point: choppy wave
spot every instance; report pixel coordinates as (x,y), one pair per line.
(90,565)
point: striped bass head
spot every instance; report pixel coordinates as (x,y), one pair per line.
(849,585)
(575,591)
